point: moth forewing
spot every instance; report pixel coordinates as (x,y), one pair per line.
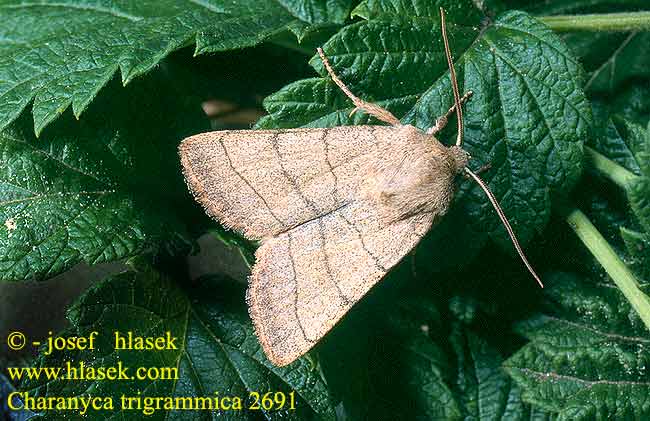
(265,182)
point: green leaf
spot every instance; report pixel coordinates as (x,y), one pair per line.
(628,144)
(231,239)
(217,351)
(639,194)
(96,190)
(5,412)
(611,58)
(639,190)
(315,11)
(402,359)
(631,102)
(521,74)
(486,391)
(381,361)
(390,59)
(527,118)
(638,247)
(463,10)
(588,360)
(58,54)
(618,139)
(393,80)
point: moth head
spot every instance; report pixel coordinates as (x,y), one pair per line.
(460,156)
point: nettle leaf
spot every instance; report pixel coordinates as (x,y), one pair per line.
(589,362)
(611,58)
(402,359)
(62,53)
(638,193)
(633,102)
(639,190)
(217,351)
(528,116)
(231,239)
(96,190)
(484,388)
(390,59)
(618,139)
(463,10)
(318,11)
(381,361)
(6,388)
(628,144)
(638,247)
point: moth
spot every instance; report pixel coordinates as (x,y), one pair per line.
(333,208)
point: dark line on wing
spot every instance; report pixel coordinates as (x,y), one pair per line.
(315,210)
(331,167)
(248,183)
(343,161)
(363,244)
(328,268)
(292,180)
(295,295)
(373,130)
(316,218)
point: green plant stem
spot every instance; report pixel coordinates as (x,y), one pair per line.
(607,257)
(632,21)
(608,168)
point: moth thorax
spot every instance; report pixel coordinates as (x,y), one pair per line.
(460,157)
(413,180)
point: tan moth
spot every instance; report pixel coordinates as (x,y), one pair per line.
(334,209)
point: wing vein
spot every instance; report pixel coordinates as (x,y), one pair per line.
(248,183)
(363,244)
(317,213)
(295,295)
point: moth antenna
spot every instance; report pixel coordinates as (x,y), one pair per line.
(336,79)
(372,109)
(505,222)
(454,81)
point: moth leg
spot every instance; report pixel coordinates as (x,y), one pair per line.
(372,109)
(441,122)
(483,168)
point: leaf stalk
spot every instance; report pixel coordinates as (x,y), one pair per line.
(609,260)
(620,22)
(609,169)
